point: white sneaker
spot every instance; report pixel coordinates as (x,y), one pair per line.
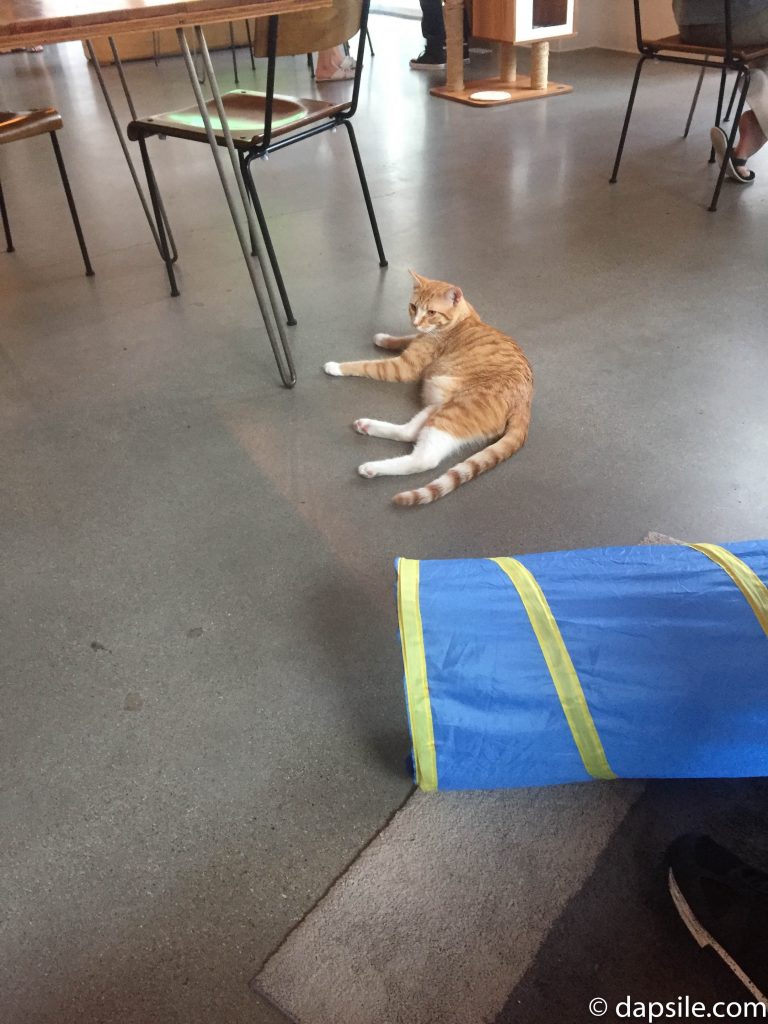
(345,70)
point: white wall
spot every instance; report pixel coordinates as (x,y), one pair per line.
(611,23)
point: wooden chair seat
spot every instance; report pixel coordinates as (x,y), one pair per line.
(245,113)
(674,44)
(16,125)
(25,124)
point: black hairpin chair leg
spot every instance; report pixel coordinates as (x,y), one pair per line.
(6,224)
(250,43)
(731,139)
(695,99)
(736,85)
(234,51)
(366,193)
(628,115)
(72,207)
(154,197)
(719,111)
(245,166)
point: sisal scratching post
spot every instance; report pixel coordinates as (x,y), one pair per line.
(540,64)
(508,63)
(453,16)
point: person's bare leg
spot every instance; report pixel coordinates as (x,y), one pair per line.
(328,61)
(751,137)
(333,66)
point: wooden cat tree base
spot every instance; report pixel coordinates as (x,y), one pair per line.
(508,92)
(518,21)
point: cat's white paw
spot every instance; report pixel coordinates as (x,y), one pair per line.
(381,340)
(333,370)
(368,470)
(362,426)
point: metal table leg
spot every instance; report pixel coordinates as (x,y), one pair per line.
(258,269)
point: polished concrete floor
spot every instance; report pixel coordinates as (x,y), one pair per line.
(202,716)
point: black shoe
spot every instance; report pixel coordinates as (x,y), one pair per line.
(724,904)
(429,60)
(434,59)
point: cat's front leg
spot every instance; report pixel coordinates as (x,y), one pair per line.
(376,369)
(406,367)
(393,343)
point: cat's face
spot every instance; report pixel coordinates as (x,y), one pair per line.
(434,304)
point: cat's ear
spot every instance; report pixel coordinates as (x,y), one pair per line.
(416,277)
(454,295)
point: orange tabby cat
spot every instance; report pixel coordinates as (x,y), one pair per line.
(477,386)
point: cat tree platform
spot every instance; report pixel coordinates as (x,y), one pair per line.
(509,22)
(492,92)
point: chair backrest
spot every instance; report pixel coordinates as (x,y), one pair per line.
(643,41)
(311,30)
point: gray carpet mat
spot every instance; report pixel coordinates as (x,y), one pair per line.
(515,906)
(443,913)
(521,905)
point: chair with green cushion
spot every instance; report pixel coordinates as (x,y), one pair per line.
(263,122)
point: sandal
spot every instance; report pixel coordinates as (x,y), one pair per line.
(735,164)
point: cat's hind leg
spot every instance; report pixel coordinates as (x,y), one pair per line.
(394,431)
(430,449)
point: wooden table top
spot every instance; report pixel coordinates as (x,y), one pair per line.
(33,22)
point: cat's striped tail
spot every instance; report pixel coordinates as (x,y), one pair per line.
(480,462)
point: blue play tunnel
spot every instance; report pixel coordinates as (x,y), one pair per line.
(640,662)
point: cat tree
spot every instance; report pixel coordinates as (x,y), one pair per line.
(509,22)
